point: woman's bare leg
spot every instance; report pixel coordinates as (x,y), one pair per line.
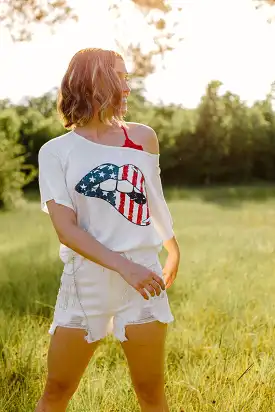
(145,355)
(68,357)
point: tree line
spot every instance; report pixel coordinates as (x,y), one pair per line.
(223,140)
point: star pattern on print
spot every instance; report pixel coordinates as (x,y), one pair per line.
(123,187)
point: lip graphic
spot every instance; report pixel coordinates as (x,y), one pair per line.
(122,187)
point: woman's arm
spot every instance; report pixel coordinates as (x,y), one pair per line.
(171,266)
(71,235)
(160,213)
(77,239)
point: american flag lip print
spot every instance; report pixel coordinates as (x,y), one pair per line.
(122,187)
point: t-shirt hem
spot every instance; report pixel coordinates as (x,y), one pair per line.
(44,207)
(168,237)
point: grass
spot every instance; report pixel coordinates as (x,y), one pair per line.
(220,349)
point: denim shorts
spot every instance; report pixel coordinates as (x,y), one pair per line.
(101,302)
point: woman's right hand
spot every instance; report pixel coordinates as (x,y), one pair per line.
(142,279)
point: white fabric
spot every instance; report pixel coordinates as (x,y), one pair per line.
(99,300)
(109,188)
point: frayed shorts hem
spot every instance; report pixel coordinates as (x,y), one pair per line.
(101,302)
(119,333)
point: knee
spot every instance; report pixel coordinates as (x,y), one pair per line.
(58,390)
(151,392)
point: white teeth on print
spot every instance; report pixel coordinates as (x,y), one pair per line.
(124,186)
(108,185)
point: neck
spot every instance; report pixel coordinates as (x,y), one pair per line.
(95,125)
(94,129)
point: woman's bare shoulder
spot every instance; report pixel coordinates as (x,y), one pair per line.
(143,135)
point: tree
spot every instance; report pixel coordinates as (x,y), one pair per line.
(14,173)
(20,16)
(158,15)
(45,104)
(160,24)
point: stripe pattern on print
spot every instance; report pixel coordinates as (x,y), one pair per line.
(122,187)
(133,206)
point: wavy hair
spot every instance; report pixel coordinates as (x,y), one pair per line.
(90,79)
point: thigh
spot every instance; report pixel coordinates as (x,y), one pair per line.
(68,356)
(144,351)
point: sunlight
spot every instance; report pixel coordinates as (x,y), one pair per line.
(228,41)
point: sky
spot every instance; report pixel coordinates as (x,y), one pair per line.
(226,40)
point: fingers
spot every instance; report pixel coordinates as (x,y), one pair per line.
(156,286)
(168,284)
(169,280)
(150,289)
(159,280)
(153,286)
(143,293)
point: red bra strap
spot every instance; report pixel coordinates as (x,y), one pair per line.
(129,143)
(125,133)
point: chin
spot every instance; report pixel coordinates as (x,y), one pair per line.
(124,110)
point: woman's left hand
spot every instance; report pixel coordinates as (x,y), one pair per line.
(171,266)
(170,269)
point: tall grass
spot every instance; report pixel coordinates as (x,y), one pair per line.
(220,349)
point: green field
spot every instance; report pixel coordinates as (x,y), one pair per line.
(220,349)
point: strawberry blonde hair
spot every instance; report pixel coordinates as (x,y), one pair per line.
(90,78)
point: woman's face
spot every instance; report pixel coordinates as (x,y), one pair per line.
(122,73)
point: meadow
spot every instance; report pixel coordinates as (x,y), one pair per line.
(220,349)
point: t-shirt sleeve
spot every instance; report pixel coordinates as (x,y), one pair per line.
(52,182)
(159,211)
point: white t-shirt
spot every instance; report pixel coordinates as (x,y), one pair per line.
(116,192)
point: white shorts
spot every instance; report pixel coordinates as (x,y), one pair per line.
(100,301)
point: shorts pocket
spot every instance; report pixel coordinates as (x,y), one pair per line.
(67,294)
(73,265)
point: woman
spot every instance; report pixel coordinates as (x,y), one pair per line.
(100,185)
